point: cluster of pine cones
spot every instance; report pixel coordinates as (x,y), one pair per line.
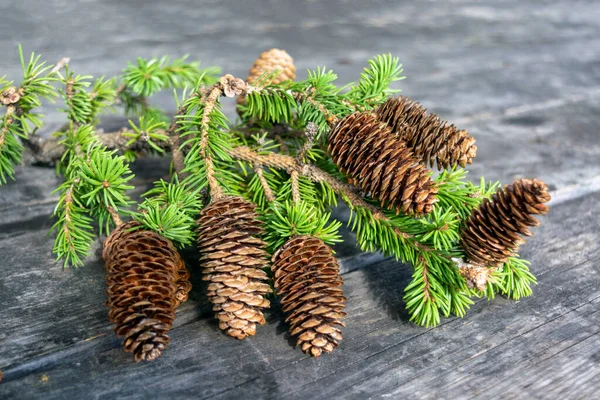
(147,280)
(385,153)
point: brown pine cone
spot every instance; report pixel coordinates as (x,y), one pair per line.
(270,61)
(307,277)
(491,234)
(233,257)
(378,161)
(146,280)
(431,139)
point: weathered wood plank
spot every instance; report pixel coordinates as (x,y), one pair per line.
(383,358)
(520,76)
(381,350)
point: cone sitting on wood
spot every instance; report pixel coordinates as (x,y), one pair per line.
(308,280)
(147,280)
(431,139)
(492,233)
(377,161)
(233,257)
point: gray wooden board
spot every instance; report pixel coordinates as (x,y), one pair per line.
(522,76)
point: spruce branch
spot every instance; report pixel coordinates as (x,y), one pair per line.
(277,159)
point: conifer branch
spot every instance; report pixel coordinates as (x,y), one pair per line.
(292,166)
(302,97)
(294,184)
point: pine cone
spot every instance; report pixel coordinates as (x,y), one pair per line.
(270,61)
(378,161)
(491,234)
(307,277)
(233,258)
(146,280)
(432,140)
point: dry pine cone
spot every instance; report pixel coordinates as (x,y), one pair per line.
(233,258)
(270,61)
(146,280)
(377,161)
(307,277)
(431,139)
(491,234)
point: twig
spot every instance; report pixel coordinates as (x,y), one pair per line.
(209,105)
(295,188)
(8,120)
(477,276)
(265,185)
(46,151)
(68,204)
(426,293)
(115,216)
(349,193)
(303,97)
(311,134)
(59,65)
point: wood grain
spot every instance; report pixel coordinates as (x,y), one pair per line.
(522,76)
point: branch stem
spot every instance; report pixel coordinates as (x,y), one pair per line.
(263,182)
(209,105)
(115,216)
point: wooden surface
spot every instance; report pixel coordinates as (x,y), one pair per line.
(522,76)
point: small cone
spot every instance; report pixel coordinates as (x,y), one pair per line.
(146,280)
(378,161)
(308,280)
(431,139)
(491,234)
(270,61)
(233,258)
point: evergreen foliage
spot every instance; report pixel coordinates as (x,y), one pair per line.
(288,176)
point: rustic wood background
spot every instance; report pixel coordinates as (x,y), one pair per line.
(522,76)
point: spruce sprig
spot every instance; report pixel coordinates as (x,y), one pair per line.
(170,209)
(284,220)
(19,120)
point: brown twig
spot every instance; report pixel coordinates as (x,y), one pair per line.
(295,187)
(209,105)
(263,182)
(303,97)
(311,134)
(59,65)
(115,216)
(426,293)
(46,151)
(67,206)
(175,138)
